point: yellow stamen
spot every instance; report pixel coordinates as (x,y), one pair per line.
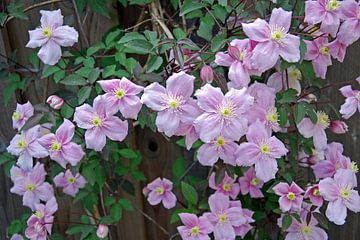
(306,230)
(47,32)
(22,144)
(226,112)
(332,5)
(120,93)
(39,214)
(291,196)
(345,193)
(354,167)
(56,146)
(97,121)
(323,119)
(222,218)
(16,116)
(324,50)
(30,187)
(173,104)
(220,141)
(272,116)
(160,190)
(71,180)
(277,35)
(194,231)
(265,148)
(255,181)
(295,73)
(316,192)
(227,187)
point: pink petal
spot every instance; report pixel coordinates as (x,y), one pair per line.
(238,75)
(180,84)
(154,96)
(130,106)
(37,38)
(95,139)
(289,49)
(285,203)
(72,153)
(280,17)
(84,116)
(114,128)
(209,98)
(50,53)
(167,121)
(65,36)
(336,212)
(266,169)
(51,19)
(265,56)
(223,59)
(247,154)
(207,154)
(258,30)
(65,132)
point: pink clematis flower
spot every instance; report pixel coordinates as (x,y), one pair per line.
(122,94)
(262,149)
(305,230)
(60,147)
(224,217)
(26,146)
(51,36)
(223,115)
(337,50)
(206,74)
(102,231)
(341,195)
(326,12)
(352,102)
(306,160)
(40,223)
(313,193)
(350,29)
(315,130)
(209,153)
(318,52)
(228,186)
(244,228)
(100,123)
(22,113)
(249,183)
(171,102)
(290,196)
(273,40)
(279,81)
(55,102)
(33,187)
(158,191)
(237,59)
(16,237)
(194,228)
(70,183)
(338,127)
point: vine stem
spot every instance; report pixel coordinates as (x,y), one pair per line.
(152,220)
(78,19)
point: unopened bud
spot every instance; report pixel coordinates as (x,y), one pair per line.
(234,52)
(207,74)
(55,102)
(338,127)
(102,231)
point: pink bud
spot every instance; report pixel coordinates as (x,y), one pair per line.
(338,127)
(55,102)
(234,52)
(207,74)
(146,191)
(16,237)
(102,231)
(358,79)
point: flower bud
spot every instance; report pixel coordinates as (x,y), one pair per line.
(146,191)
(338,127)
(16,237)
(55,102)
(207,74)
(234,52)
(102,231)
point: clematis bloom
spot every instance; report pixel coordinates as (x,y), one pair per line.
(352,102)
(290,196)
(313,193)
(194,228)
(70,183)
(350,29)
(249,183)
(51,36)
(227,186)
(158,191)
(318,52)
(22,113)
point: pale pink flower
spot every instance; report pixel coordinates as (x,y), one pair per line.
(337,50)
(33,187)
(319,54)
(55,102)
(160,190)
(206,74)
(306,160)
(194,228)
(350,29)
(227,186)
(51,36)
(60,147)
(315,130)
(220,147)
(122,95)
(224,217)
(16,237)
(263,95)
(279,81)
(26,146)
(326,12)
(70,183)
(41,222)
(22,113)
(102,231)
(273,40)
(100,123)
(171,102)
(313,193)
(290,196)
(244,228)
(341,195)
(223,115)
(352,102)
(338,127)
(249,183)
(262,149)
(237,59)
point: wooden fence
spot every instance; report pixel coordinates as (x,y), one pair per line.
(157,152)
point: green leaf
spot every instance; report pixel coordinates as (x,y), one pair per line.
(67,111)
(111,37)
(131,36)
(126,204)
(93,49)
(289,96)
(84,94)
(108,71)
(154,62)
(99,6)
(73,79)
(190,6)
(283,116)
(179,33)
(205,28)
(15,227)
(138,175)
(179,167)
(302,50)
(109,201)
(189,193)
(286,222)
(321,219)
(116,211)
(59,75)
(49,70)
(79,228)
(218,42)
(128,153)
(300,112)
(138,46)
(94,75)
(8,92)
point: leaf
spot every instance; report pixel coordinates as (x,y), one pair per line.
(73,80)
(33,121)
(139,176)
(111,37)
(131,36)
(84,94)
(154,62)
(138,46)
(49,70)
(299,113)
(288,96)
(219,176)
(217,42)
(189,193)
(190,6)
(93,49)
(79,228)
(108,71)
(94,75)
(179,33)
(15,227)
(8,92)
(179,167)
(99,6)
(205,28)
(109,201)
(286,222)
(321,219)
(126,204)
(116,212)
(67,111)
(128,153)
(303,49)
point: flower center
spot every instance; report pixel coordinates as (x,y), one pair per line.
(97,121)
(332,5)
(16,116)
(316,192)
(277,33)
(345,193)
(30,187)
(272,116)
(354,167)
(220,141)
(324,50)
(323,119)
(291,196)
(222,218)
(295,73)
(22,144)
(47,32)
(173,103)
(39,214)
(56,146)
(194,231)
(306,230)
(120,93)
(225,112)
(71,180)
(265,148)
(254,181)
(160,190)
(227,187)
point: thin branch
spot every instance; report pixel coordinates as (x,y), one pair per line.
(78,19)
(155,14)
(153,221)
